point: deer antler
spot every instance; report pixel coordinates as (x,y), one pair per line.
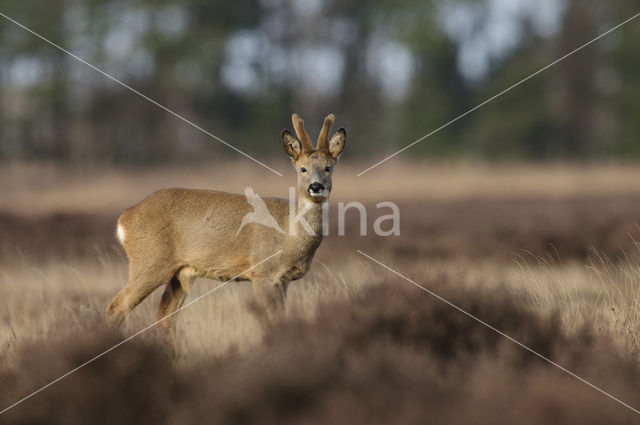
(323,137)
(298,125)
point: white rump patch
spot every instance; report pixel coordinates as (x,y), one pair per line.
(120,233)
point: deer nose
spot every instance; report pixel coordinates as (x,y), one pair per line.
(316,188)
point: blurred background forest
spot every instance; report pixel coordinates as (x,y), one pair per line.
(391,71)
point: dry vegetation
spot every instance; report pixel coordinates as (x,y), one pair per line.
(545,254)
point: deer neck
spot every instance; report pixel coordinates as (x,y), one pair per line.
(311,214)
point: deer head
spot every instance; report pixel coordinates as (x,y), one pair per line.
(314,165)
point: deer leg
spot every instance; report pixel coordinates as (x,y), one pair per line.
(172,300)
(137,289)
(271,296)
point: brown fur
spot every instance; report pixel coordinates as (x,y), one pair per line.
(323,137)
(303,136)
(176,235)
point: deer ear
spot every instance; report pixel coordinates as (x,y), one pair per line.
(292,145)
(336,144)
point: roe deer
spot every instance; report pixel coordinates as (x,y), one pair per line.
(176,235)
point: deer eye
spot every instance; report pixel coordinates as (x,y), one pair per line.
(327,169)
(304,170)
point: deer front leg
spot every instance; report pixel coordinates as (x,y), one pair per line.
(271,296)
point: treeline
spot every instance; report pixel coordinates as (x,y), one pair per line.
(390,71)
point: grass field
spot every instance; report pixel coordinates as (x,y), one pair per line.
(546,254)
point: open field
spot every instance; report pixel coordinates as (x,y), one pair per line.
(546,254)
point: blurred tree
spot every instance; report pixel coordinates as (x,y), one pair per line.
(578,94)
(392,71)
(621,82)
(584,107)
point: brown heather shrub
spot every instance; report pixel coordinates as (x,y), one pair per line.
(476,229)
(55,236)
(394,355)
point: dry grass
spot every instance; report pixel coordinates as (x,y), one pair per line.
(601,294)
(389,354)
(53,301)
(548,254)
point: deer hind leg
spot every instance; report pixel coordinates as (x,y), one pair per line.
(172,300)
(142,282)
